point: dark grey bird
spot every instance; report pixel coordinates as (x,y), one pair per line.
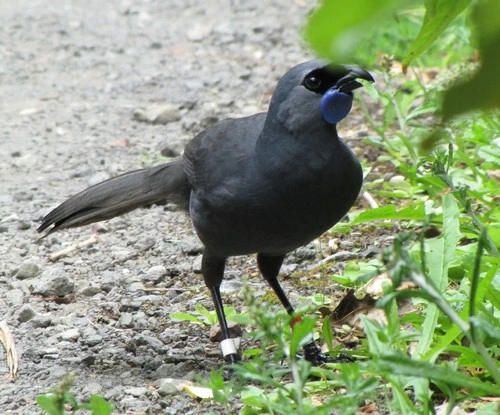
(266,184)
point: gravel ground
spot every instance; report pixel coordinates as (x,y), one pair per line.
(89,90)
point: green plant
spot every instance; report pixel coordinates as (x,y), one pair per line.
(60,401)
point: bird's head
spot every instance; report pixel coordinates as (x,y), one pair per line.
(315,92)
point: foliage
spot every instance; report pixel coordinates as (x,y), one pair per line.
(336,28)
(61,400)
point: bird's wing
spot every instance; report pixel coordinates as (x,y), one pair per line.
(208,151)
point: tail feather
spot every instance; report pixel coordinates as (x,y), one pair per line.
(120,195)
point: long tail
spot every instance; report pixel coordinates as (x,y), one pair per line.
(120,195)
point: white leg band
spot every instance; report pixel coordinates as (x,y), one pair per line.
(228,347)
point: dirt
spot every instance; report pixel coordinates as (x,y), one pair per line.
(75,78)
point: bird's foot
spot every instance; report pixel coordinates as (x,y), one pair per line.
(313,354)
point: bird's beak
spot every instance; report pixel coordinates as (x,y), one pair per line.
(349,83)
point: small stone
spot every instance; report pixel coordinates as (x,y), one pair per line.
(158,114)
(137,391)
(135,286)
(216,333)
(155,273)
(57,371)
(191,246)
(23,225)
(88,360)
(198,33)
(397,179)
(71,335)
(28,270)
(14,298)
(168,386)
(169,151)
(92,340)
(126,320)
(166,370)
(28,111)
(25,314)
(231,286)
(42,322)
(196,267)
(52,283)
(91,291)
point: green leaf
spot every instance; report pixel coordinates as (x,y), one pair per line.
(187,317)
(402,365)
(253,396)
(49,404)
(439,258)
(414,212)
(438,16)
(98,405)
(301,334)
(327,333)
(337,26)
(481,90)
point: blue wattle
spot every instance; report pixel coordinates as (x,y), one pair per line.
(335,105)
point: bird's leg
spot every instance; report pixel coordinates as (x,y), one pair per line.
(212,269)
(270,266)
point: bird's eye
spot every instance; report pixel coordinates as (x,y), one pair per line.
(312,82)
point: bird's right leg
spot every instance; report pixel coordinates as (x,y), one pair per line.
(269,267)
(212,268)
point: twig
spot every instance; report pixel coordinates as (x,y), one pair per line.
(66,251)
(7,340)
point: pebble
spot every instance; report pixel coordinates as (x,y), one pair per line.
(137,391)
(91,291)
(71,335)
(169,386)
(47,286)
(235,332)
(28,270)
(42,321)
(196,266)
(25,313)
(134,405)
(198,32)
(158,114)
(231,286)
(126,320)
(14,298)
(155,273)
(191,246)
(92,340)
(166,370)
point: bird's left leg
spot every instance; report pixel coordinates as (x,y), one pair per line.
(270,266)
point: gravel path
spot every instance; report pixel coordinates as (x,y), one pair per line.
(89,90)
